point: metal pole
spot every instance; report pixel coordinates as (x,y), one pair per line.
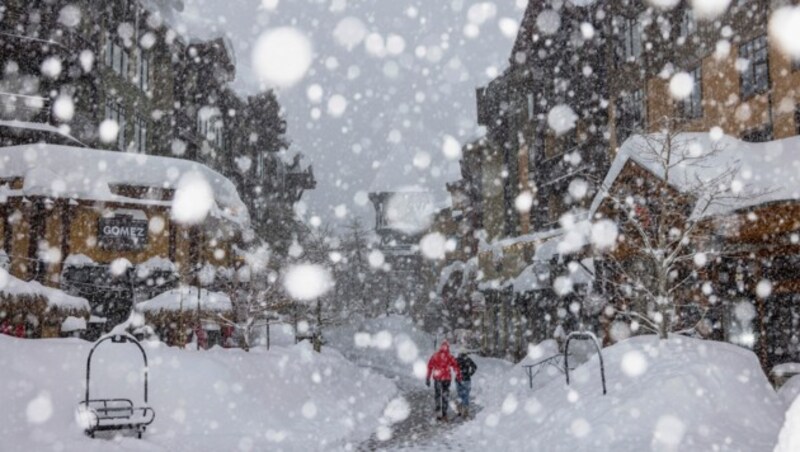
(199,326)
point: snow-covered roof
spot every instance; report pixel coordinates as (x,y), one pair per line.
(40,127)
(533,277)
(83,173)
(761,172)
(185,298)
(12,285)
(467,269)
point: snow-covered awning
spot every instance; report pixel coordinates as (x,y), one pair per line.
(186,299)
(96,175)
(41,128)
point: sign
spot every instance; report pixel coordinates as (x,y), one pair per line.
(121,233)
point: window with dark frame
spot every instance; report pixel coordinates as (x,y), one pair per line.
(116,112)
(628,43)
(143,70)
(797,119)
(116,57)
(139,144)
(688,24)
(631,114)
(692,106)
(535,150)
(755,75)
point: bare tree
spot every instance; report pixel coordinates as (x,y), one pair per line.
(666,236)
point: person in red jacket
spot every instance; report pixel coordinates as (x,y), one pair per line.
(440,367)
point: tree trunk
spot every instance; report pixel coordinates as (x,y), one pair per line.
(318,333)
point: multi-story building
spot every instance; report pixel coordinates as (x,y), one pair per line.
(68,66)
(611,64)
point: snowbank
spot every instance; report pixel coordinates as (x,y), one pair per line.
(72,324)
(789,439)
(186,299)
(680,394)
(285,399)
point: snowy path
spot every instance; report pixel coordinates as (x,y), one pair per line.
(420,429)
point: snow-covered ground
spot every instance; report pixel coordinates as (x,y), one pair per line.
(289,398)
(681,394)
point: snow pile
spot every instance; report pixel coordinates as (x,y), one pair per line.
(285,399)
(78,260)
(72,324)
(155,264)
(680,394)
(186,298)
(789,391)
(789,439)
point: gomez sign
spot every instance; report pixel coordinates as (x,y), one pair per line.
(122,232)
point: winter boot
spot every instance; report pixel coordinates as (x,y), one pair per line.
(465,412)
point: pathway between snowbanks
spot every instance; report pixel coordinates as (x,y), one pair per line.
(289,398)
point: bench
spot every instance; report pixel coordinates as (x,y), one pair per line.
(115,414)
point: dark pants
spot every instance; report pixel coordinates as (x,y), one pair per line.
(441,392)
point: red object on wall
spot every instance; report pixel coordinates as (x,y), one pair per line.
(202,337)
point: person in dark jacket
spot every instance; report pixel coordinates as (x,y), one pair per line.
(440,367)
(467,367)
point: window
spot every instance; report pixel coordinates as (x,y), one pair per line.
(530,106)
(535,150)
(210,126)
(688,24)
(629,38)
(116,112)
(139,144)
(797,119)
(631,114)
(692,106)
(760,135)
(755,76)
(116,58)
(560,88)
(260,164)
(143,70)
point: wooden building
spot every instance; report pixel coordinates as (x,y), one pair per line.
(102,224)
(743,289)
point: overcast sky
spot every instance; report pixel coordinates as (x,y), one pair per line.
(401,102)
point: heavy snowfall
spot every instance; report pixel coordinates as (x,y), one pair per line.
(364,225)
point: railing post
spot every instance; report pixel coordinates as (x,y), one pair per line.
(585,336)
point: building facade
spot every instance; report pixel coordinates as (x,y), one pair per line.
(74,65)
